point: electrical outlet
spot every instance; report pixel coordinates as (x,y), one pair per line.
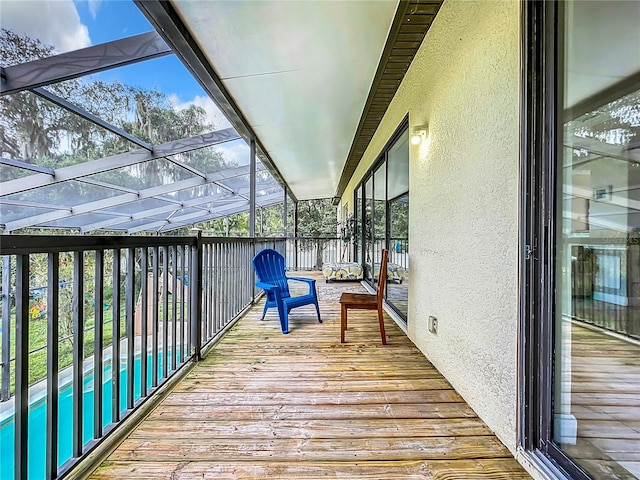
(433,325)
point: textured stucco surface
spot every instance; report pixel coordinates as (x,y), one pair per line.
(464,201)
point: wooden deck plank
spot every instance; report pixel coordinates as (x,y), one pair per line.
(322,428)
(497,469)
(310,449)
(310,386)
(220,411)
(300,398)
(302,405)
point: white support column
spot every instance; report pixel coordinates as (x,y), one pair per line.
(284,213)
(252,189)
(295,234)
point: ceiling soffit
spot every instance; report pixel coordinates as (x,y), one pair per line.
(299,71)
(410,25)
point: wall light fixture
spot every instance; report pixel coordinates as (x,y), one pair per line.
(419,133)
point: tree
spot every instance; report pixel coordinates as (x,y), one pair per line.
(317,218)
(237,225)
(30,127)
(318,222)
(271,221)
(399,221)
(35,131)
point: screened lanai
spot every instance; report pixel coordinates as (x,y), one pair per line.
(88,147)
(132,124)
(144,117)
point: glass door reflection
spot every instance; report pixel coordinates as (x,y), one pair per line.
(597,311)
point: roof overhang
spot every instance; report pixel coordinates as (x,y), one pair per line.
(310,81)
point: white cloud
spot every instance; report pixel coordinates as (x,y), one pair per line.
(94,5)
(214,115)
(237,154)
(53,22)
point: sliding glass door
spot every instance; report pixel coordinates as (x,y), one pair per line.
(597,309)
(384,219)
(398,212)
(587,377)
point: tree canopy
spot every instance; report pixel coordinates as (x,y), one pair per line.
(36,131)
(317,218)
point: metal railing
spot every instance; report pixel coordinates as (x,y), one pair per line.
(304,253)
(309,253)
(122,316)
(602,294)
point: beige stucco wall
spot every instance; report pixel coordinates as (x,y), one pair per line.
(464,201)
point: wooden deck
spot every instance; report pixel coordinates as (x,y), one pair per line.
(301,406)
(605,399)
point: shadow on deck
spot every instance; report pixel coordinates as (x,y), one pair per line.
(267,405)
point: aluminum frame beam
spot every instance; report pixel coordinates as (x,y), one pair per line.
(228,202)
(193,218)
(26,166)
(163,16)
(98,183)
(284,211)
(21,203)
(252,188)
(81,112)
(114,162)
(195,203)
(122,199)
(85,61)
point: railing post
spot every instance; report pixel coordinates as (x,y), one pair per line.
(196,296)
(115,337)
(6,326)
(144,319)
(174,307)
(253,277)
(129,310)
(155,315)
(21,418)
(284,213)
(98,329)
(53,339)
(295,235)
(78,353)
(165,311)
(252,188)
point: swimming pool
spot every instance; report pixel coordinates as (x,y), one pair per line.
(38,419)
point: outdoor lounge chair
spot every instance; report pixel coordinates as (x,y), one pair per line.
(269,266)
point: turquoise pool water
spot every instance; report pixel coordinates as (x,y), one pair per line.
(38,418)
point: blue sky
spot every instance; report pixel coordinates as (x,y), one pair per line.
(110,20)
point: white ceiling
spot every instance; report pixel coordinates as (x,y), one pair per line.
(603,46)
(300,72)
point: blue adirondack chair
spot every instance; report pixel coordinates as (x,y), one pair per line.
(269,266)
